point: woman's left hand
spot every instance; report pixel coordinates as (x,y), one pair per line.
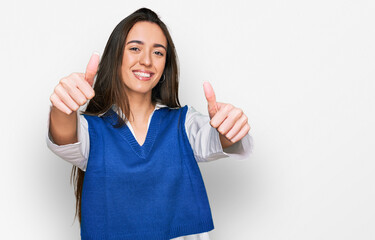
(229,121)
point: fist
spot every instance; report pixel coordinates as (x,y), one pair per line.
(76,89)
(229,121)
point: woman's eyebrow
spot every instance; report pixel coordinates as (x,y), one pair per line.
(142,43)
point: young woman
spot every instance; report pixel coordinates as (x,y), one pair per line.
(135,149)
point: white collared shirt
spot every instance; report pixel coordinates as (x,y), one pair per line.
(203,138)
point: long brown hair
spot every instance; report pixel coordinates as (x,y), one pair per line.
(110,89)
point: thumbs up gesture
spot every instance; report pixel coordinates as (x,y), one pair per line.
(74,90)
(230,122)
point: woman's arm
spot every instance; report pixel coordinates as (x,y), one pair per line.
(75,153)
(63,127)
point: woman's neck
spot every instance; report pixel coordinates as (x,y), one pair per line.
(140,109)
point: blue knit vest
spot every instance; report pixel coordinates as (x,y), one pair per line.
(149,192)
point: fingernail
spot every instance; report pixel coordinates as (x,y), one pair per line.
(96,53)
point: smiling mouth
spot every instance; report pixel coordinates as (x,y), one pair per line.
(143,75)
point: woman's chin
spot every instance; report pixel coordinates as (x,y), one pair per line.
(139,90)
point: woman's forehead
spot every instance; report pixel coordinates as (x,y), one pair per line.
(148,33)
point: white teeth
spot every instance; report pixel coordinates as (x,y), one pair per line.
(142,74)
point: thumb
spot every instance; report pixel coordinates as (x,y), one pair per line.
(211,99)
(92,68)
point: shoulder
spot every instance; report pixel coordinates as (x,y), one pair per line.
(89,117)
(189,112)
(171,109)
(173,113)
(109,117)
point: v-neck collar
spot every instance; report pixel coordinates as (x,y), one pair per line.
(141,150)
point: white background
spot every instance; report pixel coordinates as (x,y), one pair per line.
(303,72)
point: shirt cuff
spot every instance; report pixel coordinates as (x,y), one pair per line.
(214,149)
(242,149)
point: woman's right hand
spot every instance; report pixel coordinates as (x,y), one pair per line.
(76,89)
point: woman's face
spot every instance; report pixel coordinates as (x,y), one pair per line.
(144,57)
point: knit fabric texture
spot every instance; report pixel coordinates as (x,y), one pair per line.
(133,192)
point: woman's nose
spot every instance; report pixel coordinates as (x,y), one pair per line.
(145,59)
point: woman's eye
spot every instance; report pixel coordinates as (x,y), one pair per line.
(159,53)
(134,49)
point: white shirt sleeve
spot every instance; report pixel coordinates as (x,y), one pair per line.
(75,153)
(205,140)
